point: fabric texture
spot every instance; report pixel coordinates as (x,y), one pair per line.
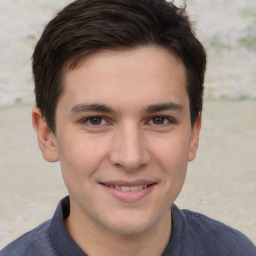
(193,234)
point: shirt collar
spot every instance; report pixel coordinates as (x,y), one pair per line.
(61,241)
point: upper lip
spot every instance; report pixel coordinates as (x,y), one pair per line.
(128,183)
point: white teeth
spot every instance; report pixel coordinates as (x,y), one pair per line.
(127,188)
(124,188)
(135,188)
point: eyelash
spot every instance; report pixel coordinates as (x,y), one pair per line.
(88,120)
(167,119)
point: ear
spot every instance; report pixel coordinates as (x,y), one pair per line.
(195,138)
(45,137)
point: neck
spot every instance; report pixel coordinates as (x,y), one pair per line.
(93,241)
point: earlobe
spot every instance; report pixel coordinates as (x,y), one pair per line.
(195,138)
(46,138)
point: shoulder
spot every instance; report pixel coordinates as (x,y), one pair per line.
(214,237)
(34,242)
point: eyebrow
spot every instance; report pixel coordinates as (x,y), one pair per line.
(92,107)
(164,106)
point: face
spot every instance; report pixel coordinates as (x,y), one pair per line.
(123,137)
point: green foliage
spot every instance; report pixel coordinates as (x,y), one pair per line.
(29,40)
(249,40)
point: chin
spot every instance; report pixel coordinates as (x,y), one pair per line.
(130,229)
(131,225)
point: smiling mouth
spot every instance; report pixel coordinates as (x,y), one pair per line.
(128,188)
(129,192)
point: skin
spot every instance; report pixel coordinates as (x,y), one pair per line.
(123,118)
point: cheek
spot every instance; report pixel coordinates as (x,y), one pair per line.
(172,150)
(171,156)
(80,156)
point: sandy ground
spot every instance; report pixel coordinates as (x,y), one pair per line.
(221,182)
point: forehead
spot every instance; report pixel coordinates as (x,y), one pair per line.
(127,76)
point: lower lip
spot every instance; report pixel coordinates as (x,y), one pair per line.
(129,196)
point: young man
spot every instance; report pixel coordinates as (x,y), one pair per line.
(119,87)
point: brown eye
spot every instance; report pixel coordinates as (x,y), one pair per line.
(158,120)
(95,120)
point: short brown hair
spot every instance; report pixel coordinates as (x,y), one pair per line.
(87,26)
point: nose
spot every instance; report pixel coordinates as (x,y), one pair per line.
(129,150)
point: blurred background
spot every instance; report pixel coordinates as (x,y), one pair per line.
(226,27)
(221,182)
